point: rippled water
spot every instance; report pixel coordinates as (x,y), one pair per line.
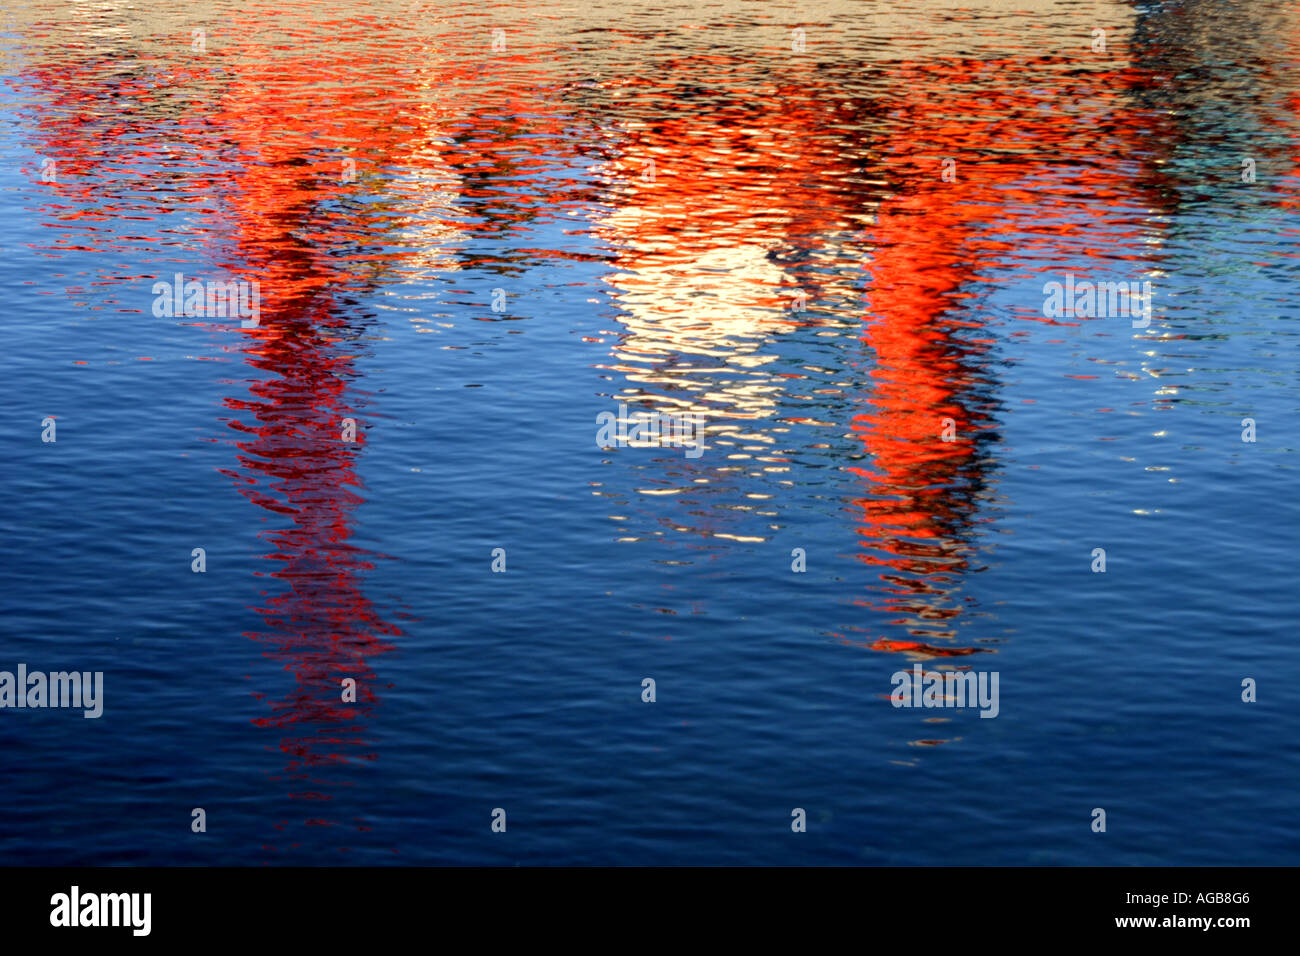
(825,229)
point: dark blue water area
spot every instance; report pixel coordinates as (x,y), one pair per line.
(522,690)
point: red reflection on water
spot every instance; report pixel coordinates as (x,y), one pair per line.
(933,239)
(249,159)
(289,225)
(295,463)
(299,435)
(293,460)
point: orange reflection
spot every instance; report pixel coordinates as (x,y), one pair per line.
(933,239)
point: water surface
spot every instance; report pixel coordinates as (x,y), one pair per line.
(830,246)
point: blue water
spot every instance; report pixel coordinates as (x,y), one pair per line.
(524,170)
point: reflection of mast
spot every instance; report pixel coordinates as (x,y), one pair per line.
(287,219)
(921,490)
(293,460)
(295,230)
(295,463)
(296,460)
(932,239)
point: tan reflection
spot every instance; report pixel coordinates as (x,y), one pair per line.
(703,209)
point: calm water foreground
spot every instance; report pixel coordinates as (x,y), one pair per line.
(826,229)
